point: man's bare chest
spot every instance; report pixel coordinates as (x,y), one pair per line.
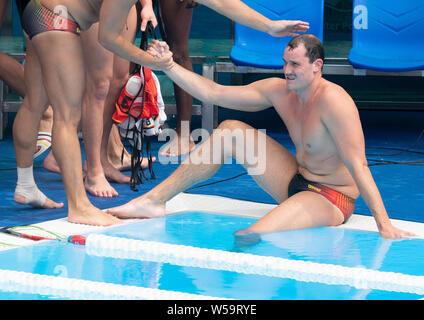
(308,132)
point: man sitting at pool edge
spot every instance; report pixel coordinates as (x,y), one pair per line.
(317,186)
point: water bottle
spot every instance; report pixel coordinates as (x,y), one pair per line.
(130,92)
(133,85)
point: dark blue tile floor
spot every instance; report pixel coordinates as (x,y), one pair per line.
(401,185)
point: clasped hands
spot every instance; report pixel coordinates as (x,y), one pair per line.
(160,51)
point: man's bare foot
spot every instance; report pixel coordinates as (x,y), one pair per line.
(114,155)
(48,203)
(139,208)
(50,163)
(115,161)
(92,216)
(113,174)
(178,146)
(98,186)
(126,162)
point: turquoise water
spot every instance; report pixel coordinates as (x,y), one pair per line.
(324,245)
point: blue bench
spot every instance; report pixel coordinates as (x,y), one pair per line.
(387,35)
(257,49)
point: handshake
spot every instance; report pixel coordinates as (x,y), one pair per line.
(160,51)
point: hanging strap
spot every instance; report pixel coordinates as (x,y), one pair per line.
(137,173)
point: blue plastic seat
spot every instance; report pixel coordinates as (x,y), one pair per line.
(388,35)
(258,49)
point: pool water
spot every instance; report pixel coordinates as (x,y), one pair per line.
(350,248)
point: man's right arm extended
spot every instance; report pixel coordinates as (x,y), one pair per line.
(249,98)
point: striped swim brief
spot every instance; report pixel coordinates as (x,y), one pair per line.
(37,19)
(343,202)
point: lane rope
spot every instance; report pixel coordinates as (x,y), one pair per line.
(181,255)
(78,289)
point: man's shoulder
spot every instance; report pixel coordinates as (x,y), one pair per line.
(275,85)
(332,93)
(331,88)
(273,88)
(334,100)
(275,82)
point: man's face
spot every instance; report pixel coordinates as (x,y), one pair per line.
(299,71)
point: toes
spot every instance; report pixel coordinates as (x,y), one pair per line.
(113,211)
(108,193)
(50,204)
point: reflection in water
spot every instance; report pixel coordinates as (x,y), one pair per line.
(243,241)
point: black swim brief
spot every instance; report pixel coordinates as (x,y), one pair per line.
(343,202)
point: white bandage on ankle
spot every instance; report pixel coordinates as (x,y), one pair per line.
(27,188)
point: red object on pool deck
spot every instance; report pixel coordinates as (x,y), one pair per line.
(77,239)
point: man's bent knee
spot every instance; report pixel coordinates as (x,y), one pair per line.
(242,142)
(99,88)
(232,125)
(67,117)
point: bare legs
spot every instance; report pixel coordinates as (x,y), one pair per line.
(111,152)
(106,76)
(65,87)
(177,20)
(98,66)
(25,129)
(12,72)
(115,149)
(208,158)
(303,210)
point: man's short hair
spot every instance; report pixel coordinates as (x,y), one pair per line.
(313,45)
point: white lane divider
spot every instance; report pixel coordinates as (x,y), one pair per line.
(77,289)
(360,278)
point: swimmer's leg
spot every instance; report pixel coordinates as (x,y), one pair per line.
(27,192)
(245,239)
(177,21)
(110,138)
(98,64)
(25,130)
(279,166)
(303,210)
(62,63)
(115,148)
(12,72)
(44,139)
